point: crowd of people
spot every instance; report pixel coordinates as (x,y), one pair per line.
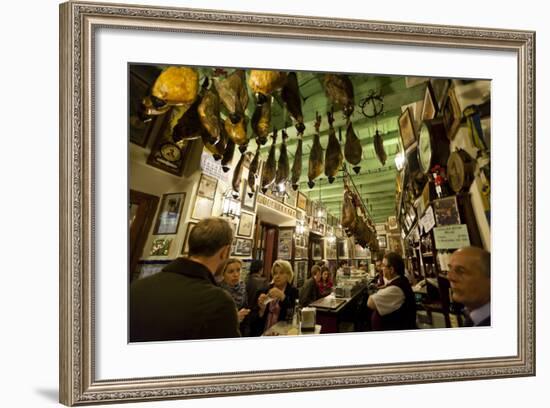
(203,296)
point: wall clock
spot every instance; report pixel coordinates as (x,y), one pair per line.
(433,145)
(167,155)
(460,170)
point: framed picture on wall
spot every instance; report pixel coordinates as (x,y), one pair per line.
(290,197)
(169,214)
(185,246)
(242,247)
(446,211)
(406,129)
(301,201)
(248,197)
(246,224)
(202,208)
(382,242)
(207,186)
(451,113)
(160,247)
(429,106)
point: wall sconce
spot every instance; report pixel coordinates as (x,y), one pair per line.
(231,206)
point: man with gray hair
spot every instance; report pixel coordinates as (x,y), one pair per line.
(470,279)
(183,302)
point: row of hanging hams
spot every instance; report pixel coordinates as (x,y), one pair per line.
(357,225)
(196,112)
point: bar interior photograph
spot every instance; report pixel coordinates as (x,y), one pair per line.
(281,203)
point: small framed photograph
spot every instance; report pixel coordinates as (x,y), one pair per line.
(382,241)
(207,186)
(300,275)
(392,223)
(242,247)
(202,208)
(160,247)
(451,113)
(291,197)
(185,246)
(301,201)
(248,198)
(169,214)
(317,250)
(246,224)
(406,129)
(446,211)
(285,243)
(429,107)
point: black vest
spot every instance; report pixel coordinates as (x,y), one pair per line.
(401,319)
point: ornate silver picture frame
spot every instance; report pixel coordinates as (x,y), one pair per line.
(81,378)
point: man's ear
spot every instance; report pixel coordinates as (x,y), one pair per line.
(227,251)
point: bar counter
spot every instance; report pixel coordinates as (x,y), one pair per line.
(331,310)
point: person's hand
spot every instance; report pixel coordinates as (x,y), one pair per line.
(261,300)
(242,314)
(276,294)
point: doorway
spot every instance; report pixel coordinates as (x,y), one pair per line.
(141,212)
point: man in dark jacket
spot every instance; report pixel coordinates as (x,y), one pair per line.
(393,306)
(183,302)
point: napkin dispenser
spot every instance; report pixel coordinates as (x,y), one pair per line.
(308,318)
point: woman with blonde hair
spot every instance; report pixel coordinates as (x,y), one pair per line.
(230,273)
(278,301)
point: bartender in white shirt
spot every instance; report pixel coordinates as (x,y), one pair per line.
(393,306)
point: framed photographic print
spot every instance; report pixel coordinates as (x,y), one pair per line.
(392,223)
(248,199)
(300,273)
(382,242)
(285,243)
(317,250)
(207,186)
(169,214)
(185,246)
(429,106)
(446,211)
(202,208)
(160,247)
(246,224)
(451,113)
(301,201)
(101,41)
(291,197)
(406,129)
(243,247)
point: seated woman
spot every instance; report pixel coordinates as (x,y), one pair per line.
(230,273)
(325,284)
(310,291)
(278,301)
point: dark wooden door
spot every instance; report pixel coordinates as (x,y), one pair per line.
(141,212)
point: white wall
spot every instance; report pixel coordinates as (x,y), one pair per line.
(29,226)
